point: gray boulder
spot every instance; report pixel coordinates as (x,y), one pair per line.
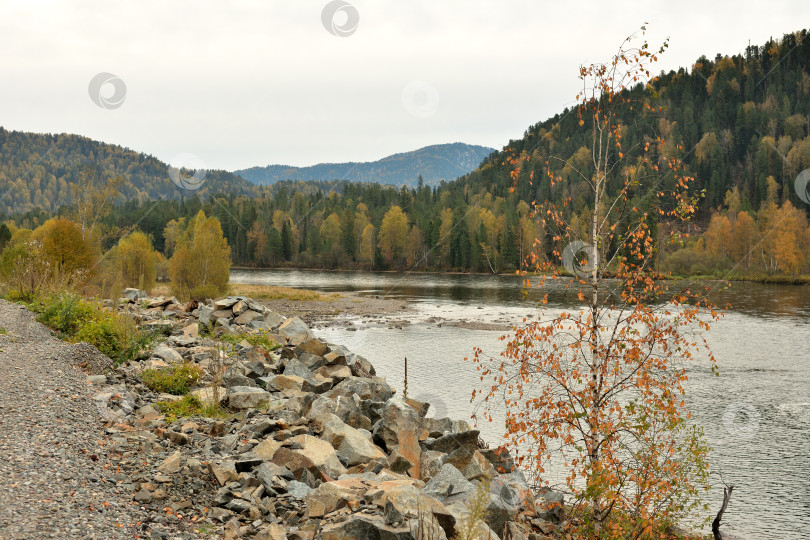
(247,397)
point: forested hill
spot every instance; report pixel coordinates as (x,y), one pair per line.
(434,163)
(43,170)
(738,120)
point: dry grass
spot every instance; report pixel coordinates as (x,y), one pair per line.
(267,292)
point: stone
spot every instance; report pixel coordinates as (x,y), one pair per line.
(176,438)
(317,384)
(336,373)
(207,395)
(224,472)
(311,361)
(453,441)
(246,317)
(97,380)
(227,302)
(171,464)
(353,448)
(160,326)
(320,452)
(313,346)
(448,485)
(143,496)
(167,354)
(298,489)
(192,330)
(399,463)
(374,389)
(273,476)
(330,496)
(347,409)
(273,319)
(478,468)
(295,331)
(430,462)
(162,301)
(205,316)
(400,429)
(296,368)
(366,527)
(267,448)
(247,397)
(133,294)
(272,532)
(359,365)
(286,382)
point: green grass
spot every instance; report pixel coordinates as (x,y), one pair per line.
(260,338)
(177,379)
(75,319)
(189,406)
(3,331)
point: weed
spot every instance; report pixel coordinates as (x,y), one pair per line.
(177,379)
(189,406)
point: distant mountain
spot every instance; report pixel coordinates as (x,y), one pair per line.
(40,170)
(435,163)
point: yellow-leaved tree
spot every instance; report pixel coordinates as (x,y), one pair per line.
(201,264)
(137,260)
(394,234)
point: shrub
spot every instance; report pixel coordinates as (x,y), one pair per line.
(76,319)
(190,405)
(177,379)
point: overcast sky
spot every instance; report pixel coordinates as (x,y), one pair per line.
(244,83)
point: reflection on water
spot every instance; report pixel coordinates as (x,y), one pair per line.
(756,415)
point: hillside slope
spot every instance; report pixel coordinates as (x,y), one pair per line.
(736,121)
(41,171)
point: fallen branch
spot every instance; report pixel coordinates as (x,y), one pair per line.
(716,523)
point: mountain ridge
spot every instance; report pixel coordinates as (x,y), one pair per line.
(434,163)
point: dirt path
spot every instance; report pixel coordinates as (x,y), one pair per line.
(53,483)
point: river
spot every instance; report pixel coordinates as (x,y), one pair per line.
(756,415)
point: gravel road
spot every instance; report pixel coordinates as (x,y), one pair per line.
(53,481)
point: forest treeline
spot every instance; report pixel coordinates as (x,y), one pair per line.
(741,125)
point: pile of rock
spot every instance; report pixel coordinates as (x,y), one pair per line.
(316,446)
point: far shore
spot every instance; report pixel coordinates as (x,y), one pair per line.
(759,278)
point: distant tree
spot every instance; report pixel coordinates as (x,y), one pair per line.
(200,265)
(64,247)
(445,230)
(257,241)
(5,236)
(368,242)
(287,248)
(137,261)
(393,234)
(331,235)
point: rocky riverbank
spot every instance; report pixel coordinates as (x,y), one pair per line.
(306,441)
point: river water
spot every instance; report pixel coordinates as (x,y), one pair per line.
(756,414)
